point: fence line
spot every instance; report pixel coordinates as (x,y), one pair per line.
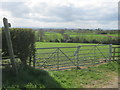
(57,58)
(115,53)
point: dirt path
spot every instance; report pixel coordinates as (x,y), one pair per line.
(112,83)
(103,83)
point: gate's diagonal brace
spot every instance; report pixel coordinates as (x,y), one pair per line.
(48,57)
(91,50)
(77,51)
(68,57)
(76,55)
(101,52)
(86,53)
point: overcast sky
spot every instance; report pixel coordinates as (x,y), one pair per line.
(61,13)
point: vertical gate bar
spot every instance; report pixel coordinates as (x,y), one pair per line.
(110,52)
(78,48)
(102,53)
(77,56)
(57,58)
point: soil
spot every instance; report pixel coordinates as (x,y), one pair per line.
(113,83)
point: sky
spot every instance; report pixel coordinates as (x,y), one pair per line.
(87,14)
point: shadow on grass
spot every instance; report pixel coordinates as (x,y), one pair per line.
(28,77)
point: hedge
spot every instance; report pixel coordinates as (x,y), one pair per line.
(23,41)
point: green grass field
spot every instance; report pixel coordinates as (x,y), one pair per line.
(97,76)
(53,36)
(113,35)
(92,36)
(93,77)
(54,44)
(89,37)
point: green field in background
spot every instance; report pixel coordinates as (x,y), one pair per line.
(88,36)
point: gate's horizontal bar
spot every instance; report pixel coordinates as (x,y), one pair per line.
(55,47)
(56,60)
(115,52)
(55,52)
(50,66)
(91,56)
(92,49)
(80,62)
(116,56)
(73,47)
(66,60)
(91,53)
(43,53)
(69,66)
(115,47)
(94,45)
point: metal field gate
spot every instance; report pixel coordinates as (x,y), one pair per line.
(60,58)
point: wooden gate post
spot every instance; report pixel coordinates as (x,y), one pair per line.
(110,52)
(9,43)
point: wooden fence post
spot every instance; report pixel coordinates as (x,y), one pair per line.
(114,53)
(9,43)
(110,52)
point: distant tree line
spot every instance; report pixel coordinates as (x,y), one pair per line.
(68,39)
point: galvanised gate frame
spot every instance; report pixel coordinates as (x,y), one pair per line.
(60,58)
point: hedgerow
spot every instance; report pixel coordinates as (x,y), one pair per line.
(23,41)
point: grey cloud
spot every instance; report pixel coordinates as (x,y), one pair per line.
(119,15)
(17,9)
(64,13)
(59,13)
(71,13)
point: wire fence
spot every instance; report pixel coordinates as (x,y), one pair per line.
(60,58)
